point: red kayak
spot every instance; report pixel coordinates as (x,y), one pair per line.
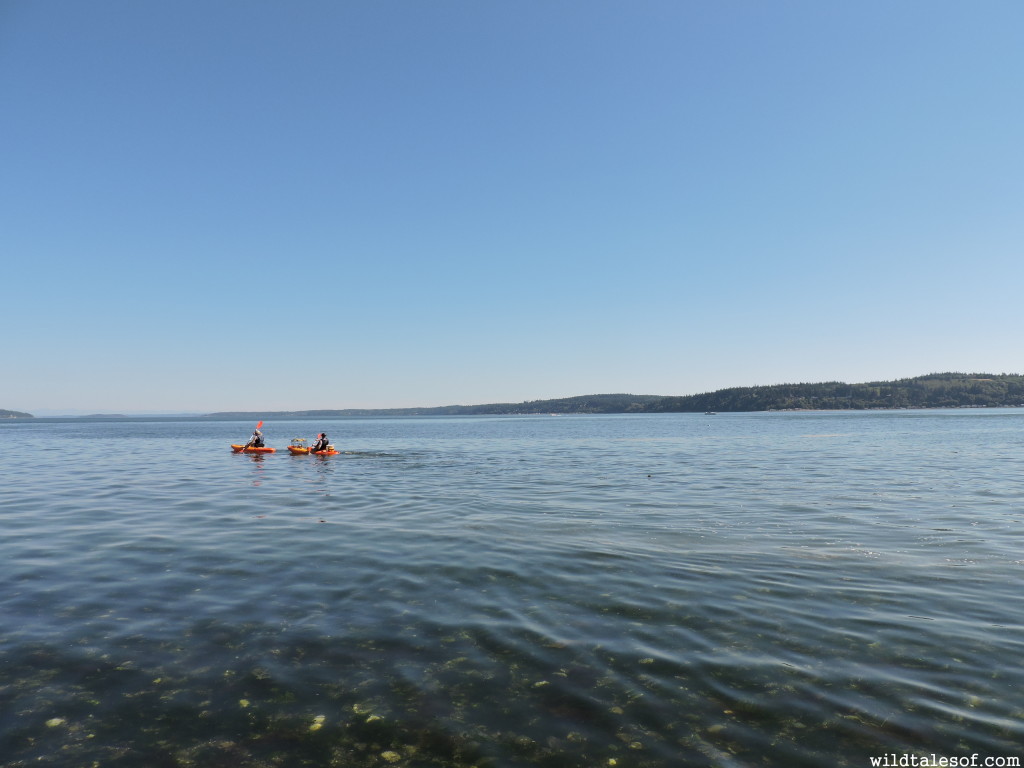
(243,449)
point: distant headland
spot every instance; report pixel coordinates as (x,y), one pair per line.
(936,390)
(15,415)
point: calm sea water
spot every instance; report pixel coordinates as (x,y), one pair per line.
(789,589)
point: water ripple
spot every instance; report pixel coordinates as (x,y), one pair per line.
(767,589)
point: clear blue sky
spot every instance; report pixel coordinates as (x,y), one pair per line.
(245,205)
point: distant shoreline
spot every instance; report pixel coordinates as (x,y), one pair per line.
(385,413)
(933,391)
(939,390)
(15,415)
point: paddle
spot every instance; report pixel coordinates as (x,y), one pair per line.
(253,438)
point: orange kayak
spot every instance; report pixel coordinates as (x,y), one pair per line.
(243,449)
(298,450)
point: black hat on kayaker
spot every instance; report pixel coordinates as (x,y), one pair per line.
(323,434)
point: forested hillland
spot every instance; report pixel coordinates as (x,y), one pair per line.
(15,415)
(937,390)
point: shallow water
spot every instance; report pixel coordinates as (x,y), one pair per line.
(653,590)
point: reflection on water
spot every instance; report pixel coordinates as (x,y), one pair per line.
(764,589)
(257,460)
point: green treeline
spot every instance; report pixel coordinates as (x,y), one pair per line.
(937,390)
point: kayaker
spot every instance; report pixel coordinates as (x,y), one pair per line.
(320,444)
(256,441)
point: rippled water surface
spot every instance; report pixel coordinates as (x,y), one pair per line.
(731,590)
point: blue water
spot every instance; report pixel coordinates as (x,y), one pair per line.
(653,590)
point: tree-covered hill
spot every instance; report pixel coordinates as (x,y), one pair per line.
(937,390)
(15,415)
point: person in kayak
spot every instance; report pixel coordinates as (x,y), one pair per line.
(256,441)
(320,444)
